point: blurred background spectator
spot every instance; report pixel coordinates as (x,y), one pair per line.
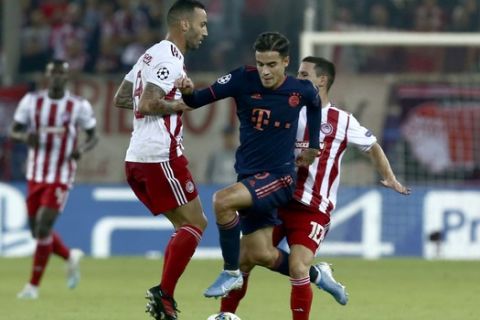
(220,167)
(101,39)
(107,36)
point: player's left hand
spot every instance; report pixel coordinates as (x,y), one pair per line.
(397,186)
(76,154)
(306,157)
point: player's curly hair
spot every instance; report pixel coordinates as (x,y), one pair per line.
(272,41)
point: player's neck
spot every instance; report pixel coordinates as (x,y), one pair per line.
(55,93)
(178,40)
(325,99)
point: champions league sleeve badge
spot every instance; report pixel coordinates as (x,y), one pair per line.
(224,79)
(163,73)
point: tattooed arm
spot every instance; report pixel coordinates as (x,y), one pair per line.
(123,96)
(153,102)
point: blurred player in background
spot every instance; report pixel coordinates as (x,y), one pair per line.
(155,166)
(47,122)
(306,219)
(268,105)
(221,163)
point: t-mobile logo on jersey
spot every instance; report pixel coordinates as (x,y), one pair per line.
(260,118)
(15,238)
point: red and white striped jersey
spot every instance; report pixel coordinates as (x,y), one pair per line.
(56,122)
(317,185)
(156,138)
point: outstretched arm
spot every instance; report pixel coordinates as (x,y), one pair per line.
(229,85)
(314,118)
(381,163)
(123,96)
(153,102)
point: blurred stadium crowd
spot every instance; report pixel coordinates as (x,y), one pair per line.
(107,36)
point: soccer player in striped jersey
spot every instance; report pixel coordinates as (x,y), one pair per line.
(306,219)
(268,105)
(156,169)
(47,121)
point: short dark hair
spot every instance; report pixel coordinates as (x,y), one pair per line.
(181,7)
(272,41)
(323,67)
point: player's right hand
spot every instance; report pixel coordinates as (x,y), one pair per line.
(180,106)
(306,157)
(185,85)
(395,185)
(32,139)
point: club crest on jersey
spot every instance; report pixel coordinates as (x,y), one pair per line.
(224,79)
(163,73)
(147,59)
(294,100)
(326,128)
(189,186)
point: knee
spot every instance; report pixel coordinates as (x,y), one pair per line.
(262,258)
(198,220)
(222,205)
(201,222)
(298,269)
(42,230)
(246,265)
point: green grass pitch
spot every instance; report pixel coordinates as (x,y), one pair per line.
(388,289)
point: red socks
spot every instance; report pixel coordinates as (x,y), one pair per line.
(59,248)
(301,298)
(40,259)
(178,253)
(230,303)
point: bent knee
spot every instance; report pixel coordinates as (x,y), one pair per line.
(221,201)
(261,258)
(198,220)
(201,223)
(42,231)
(298,269)
(222,204)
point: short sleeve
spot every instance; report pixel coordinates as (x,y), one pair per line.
(163,75)
(360,136)
(86,118)
(130,76)
(22,114)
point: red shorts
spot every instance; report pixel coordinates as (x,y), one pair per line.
(161,186)
(50,195)
(303,225)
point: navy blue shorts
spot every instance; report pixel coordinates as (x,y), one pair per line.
(269,191)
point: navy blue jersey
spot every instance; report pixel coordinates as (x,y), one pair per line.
(268,118)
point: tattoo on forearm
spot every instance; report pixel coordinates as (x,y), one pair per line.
(124,102)
(123,97)
(153,100)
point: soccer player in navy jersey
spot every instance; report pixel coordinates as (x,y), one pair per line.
(306,219)
(268,105)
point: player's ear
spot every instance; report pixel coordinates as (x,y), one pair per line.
(286,61)
(184,25)
(323,80)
